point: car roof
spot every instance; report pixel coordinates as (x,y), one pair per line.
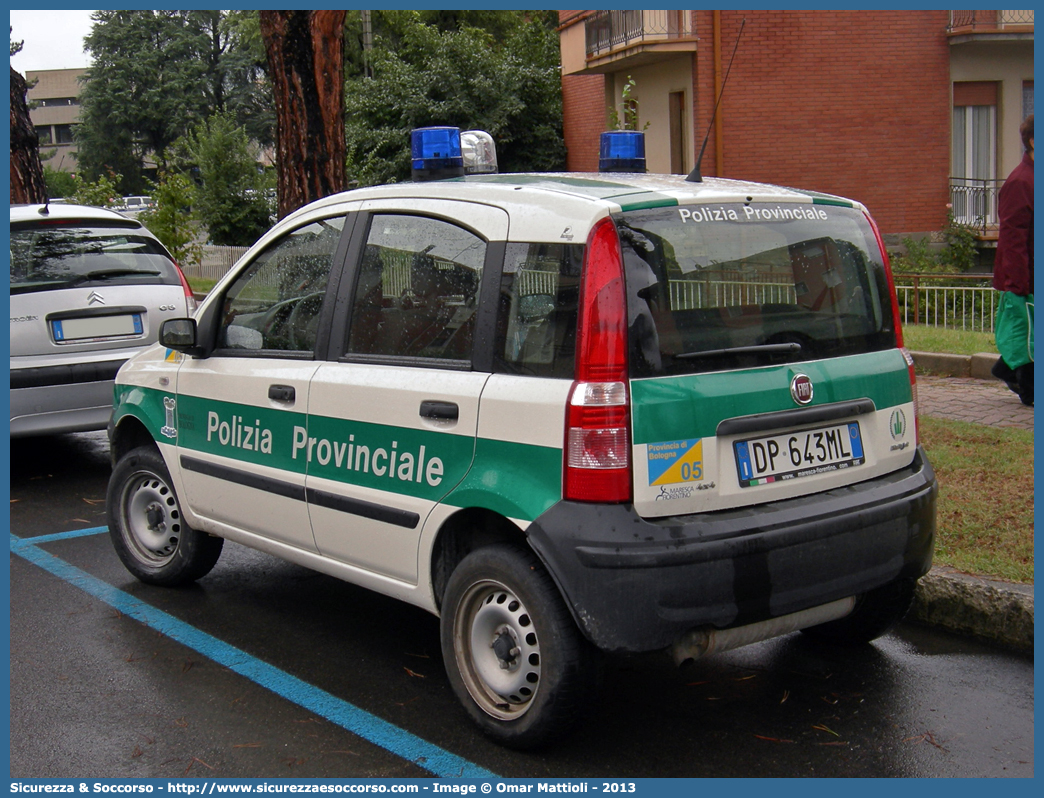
(60,211)
(561,204)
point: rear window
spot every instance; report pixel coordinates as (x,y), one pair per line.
(732,286)
(48,258)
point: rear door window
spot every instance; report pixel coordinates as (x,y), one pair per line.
(739,286)
(418,289)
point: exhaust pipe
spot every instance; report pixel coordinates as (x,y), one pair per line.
(698,643)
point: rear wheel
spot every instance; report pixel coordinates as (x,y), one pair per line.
(875,612)
(514,655)
(146,525)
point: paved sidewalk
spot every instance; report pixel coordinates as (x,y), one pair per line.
(998,611)
(987,402)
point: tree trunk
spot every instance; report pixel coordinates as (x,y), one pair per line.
(27,180)
(305,52)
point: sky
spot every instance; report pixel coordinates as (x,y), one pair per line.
(53,39)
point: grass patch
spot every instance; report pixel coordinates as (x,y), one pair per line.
(200,285)
(985,510)
(921,338)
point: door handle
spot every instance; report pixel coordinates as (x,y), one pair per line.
(282,393)
(440,411)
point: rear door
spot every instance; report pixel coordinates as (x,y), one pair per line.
(764,346)
(392,423)
(241,409)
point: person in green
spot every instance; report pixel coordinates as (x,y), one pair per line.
(1013,274)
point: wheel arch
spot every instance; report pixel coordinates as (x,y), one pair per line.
(462,533)
(127,434)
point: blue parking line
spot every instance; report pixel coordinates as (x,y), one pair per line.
(76,533)
(348,716)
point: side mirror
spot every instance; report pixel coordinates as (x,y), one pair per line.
(178,334)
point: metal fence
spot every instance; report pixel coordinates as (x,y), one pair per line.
(955,301)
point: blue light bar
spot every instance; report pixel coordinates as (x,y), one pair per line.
(622,151)
(436,153)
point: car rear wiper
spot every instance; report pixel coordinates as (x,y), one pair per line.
(760,349)
(104,274)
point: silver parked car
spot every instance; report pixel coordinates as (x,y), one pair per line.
(89,288)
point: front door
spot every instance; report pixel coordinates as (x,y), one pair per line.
(239,408)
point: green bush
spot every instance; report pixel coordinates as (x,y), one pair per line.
(102,193)
(172,220)
(59,184)
(959,253)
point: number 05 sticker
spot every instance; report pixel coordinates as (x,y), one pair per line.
(672,462)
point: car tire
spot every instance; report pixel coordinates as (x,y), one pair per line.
(875,612)
(147,527)
(513,653)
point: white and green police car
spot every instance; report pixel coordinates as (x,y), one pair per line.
(563,412)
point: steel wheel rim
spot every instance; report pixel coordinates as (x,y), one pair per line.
(151,519)
(497,649)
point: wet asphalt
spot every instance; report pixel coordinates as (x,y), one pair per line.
(96,692)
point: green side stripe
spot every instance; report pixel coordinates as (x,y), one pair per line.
(516,479)
(675,408)
(831,201)
(662,202)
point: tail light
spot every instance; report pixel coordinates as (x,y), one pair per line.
(597,464)
(898,325)
(190,298)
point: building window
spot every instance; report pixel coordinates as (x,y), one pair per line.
(57,102)
(43,132)
(63,134)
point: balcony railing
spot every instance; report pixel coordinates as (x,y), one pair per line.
(974,203)
(993,21)
(609,30)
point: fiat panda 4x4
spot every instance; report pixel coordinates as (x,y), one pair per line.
(563,412)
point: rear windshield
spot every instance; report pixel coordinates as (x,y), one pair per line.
(48,258)
(737,286)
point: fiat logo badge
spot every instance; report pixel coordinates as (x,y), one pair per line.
(801,389)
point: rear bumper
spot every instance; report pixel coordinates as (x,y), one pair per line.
(68,398)
(635,584)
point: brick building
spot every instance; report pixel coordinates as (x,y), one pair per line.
(907,111)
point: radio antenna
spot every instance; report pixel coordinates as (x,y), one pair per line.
(694,175)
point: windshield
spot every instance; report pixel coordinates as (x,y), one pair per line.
(48,258)
(738,285)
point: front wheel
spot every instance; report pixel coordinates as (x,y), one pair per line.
(875,612)
(146,525)
(514,655)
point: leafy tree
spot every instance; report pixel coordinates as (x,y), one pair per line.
(452,73)
(231,197)
(59,183)
(101,193)
(245,67)
(154,75)
(172,220)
